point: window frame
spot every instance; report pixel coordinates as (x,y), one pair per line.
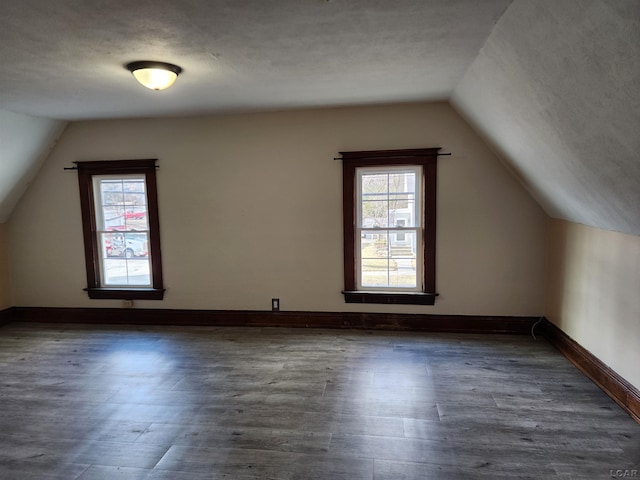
(92,251)
(426,158)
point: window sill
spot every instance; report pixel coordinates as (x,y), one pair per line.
(126,293)
(392,298)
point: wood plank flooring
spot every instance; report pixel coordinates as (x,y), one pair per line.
(113,402)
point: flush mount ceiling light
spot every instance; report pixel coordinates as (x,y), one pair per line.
(154,75)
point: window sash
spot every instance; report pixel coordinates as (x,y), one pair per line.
(416,261)
(413,198)
(414,213)
(135,269)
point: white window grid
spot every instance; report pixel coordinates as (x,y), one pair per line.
(101,230)
(416,228)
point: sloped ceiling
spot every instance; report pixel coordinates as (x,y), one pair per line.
(552,85)
(25,142)
(556,89)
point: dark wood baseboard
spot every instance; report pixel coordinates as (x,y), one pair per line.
(624,394)
(377,321)
(6,316)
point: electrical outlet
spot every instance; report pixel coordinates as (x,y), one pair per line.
(275,304)
(127,303)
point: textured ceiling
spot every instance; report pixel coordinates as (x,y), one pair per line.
(64,59)
(553,85)
(556,89)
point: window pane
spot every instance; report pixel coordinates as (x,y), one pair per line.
(403,277)
(112,244)
(374,255)
(389,259)
(114,272)
(125,259)
(112,218)
(126,272)
(402,244)
(375,183)
(124,204)
(135,218)
(133,185)
(111,192)
(115,243)
(374,244)
(402,249)
(402,182)
(136,245)
(375,213)
(375,273)
(374,206)
(113,185)
(402,198)
(386,198)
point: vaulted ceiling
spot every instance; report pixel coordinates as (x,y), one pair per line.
(552,85)
(556,89)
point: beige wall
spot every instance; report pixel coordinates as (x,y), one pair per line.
(593,292)
(5,286)
(251,208)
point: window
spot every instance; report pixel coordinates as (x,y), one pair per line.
(389,226)
(121,231)
(383,259)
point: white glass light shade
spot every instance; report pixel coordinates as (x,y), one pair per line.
(154,75)
(155,78)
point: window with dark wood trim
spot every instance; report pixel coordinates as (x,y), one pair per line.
(121,230)
(369,237)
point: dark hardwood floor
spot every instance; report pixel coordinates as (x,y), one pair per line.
(114,402)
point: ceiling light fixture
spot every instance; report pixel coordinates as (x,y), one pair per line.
(154,75)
